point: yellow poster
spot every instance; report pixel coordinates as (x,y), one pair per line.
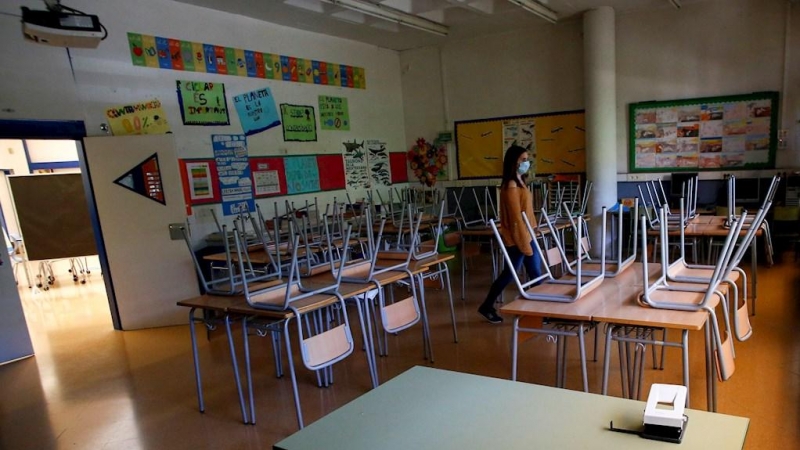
(138,118)
(480,149)
(199,57)
(150,51)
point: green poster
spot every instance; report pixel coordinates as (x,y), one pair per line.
(187,55)
(299,123)
(137,49)
(333,113)
(230,60)
(202,103)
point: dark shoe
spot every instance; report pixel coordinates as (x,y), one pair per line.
(490,314)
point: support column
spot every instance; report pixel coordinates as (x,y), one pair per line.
(600,84)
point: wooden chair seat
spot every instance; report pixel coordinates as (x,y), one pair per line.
(400,315)
(326,346)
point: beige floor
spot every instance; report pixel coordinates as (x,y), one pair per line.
(90,387)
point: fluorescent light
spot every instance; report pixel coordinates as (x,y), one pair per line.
(537,8)
(392,15)
(676,3)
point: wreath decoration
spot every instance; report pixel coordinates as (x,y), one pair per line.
(427,161)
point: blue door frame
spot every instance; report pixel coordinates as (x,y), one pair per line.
(73,130)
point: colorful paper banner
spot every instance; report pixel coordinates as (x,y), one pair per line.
(233,170)
(256,111)
(333,113)
(299,123)
(175,54)
(138,118)
(202,103)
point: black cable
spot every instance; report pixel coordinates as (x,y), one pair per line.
(10,14)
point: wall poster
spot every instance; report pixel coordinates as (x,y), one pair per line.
(202,103)
(256,110)
(199,177)
(138,118)
(378,162)
(302,174)
(716,133)
(355,165)
(233,170)
(269,175)
(333,113)
(299,123)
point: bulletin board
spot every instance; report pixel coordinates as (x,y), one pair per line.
(269,174)
(557,141)
(711,133)
(53,216)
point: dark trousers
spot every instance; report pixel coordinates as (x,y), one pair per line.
(532,266)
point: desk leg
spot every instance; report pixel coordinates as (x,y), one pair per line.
(709,367)
(514,348)
(366,332)
(235,368)
(198,381)
(445,271)
(297,407)
(607,359)
(685,354)
(248,372)
(582,344)
(426,332)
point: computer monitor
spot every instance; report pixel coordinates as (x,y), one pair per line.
(748,190)
(678,181)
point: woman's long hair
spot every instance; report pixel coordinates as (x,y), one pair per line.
(510,166)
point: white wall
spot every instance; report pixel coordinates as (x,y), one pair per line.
(39,85)
(717,47)
(708,48)
(12,156)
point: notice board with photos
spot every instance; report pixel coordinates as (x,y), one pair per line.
(556,143)
(712,133)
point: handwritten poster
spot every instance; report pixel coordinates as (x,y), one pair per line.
(302,174)
(256,111)
(333,113)
(233,170)
(267,182)
(299,123)
(200,187)
(202,103)
(355,165)
(138,118)
(378,164)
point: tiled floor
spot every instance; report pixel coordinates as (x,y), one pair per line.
(90,387)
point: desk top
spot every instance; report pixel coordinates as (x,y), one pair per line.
(614,301)
(426,408)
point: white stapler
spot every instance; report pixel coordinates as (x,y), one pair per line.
(663,416)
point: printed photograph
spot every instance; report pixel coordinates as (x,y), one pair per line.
(689,114)
(733,144)
(646,131)
(758,126)
(761,108)
(735,111)
(667,146)
(686,160)
(645,116)
(646,160)
(733,160)
(710,145)
(666,160)
(710,161)
(712,128)
(689,130)
(644,147)
(756,143)
(711,112)
(667,131)
(667,115)
(734,127)
(688,145)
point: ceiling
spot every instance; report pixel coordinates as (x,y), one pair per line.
(466,18)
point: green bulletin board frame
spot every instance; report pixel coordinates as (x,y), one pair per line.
(710,110)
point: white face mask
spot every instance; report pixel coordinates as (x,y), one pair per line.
(523,167)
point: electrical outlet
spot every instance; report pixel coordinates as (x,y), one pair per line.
(635,177)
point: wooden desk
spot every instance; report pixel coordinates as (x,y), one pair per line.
(425,408)
(613,302)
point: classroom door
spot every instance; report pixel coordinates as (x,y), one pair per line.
(137,190)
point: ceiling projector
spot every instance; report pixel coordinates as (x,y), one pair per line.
(62,29)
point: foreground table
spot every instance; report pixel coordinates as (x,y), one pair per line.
(427,408)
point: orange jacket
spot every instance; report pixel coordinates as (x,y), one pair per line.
(513,201)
